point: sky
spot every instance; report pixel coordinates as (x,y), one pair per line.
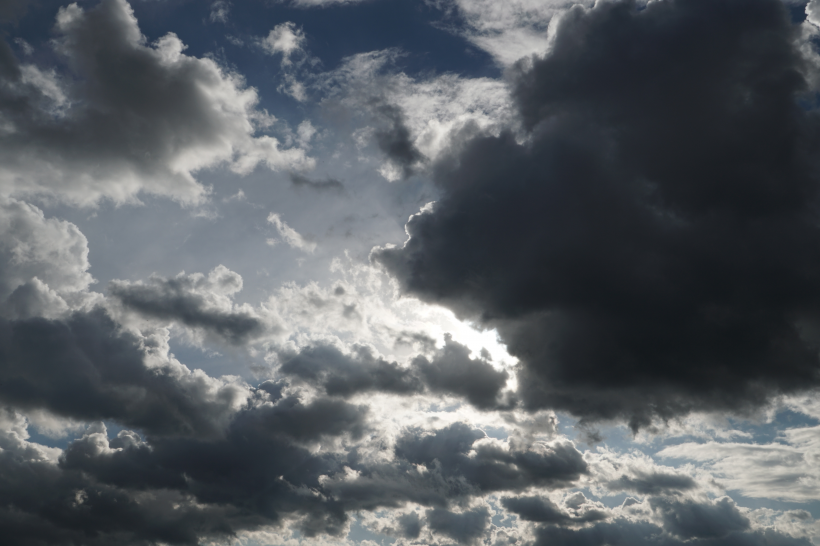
(410,272)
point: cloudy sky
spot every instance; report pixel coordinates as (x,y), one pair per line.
(410,272)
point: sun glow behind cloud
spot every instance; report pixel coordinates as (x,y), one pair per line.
(413,272)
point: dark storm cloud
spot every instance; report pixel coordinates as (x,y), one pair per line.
(188,300)
(488,467)
(651,249)
(410,525)
(623,531)
(86,369)
(254,474)
(177,491)
(654,483)
(326,185)
(51,514)
(126,116)
(393,137)
(465,528)
(345,375)
(689,519)
(451,371)
(543,510)
(257,470)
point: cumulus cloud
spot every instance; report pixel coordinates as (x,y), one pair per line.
(647,250)
(508,30)
(198,302)
(412,120)
(284,39)
(128,117)
(10,10)
(43,263)
(85,368)
(462,452)
(465,528)
(325,185)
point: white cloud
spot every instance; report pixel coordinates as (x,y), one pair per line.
(43,263)
(290,235)
(813,12)
(285,39)
(220,11)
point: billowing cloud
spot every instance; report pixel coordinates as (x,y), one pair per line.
(782,470)
(128,117)
(220,9)
(543,510)
(624,531)
(285,40)
(508,30)
(198,302)
(450,370)
(84,368)
(647,250)
(43,263)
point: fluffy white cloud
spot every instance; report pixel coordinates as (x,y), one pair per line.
(787,470)
(413,120)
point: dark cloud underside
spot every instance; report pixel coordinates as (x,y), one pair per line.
(651,248)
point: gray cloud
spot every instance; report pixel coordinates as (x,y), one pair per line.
(127,117)
(654,483)
(43,263)
(342,375)
(393,137)
(326,185)
(11,10)
(543,510)
(452,371)
(491,468)
(465,528)
(623,531)
(648,250)
(85,368)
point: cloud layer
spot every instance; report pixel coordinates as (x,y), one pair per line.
(647,250)
(127,116)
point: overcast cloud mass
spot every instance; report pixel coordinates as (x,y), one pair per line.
(410,272)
